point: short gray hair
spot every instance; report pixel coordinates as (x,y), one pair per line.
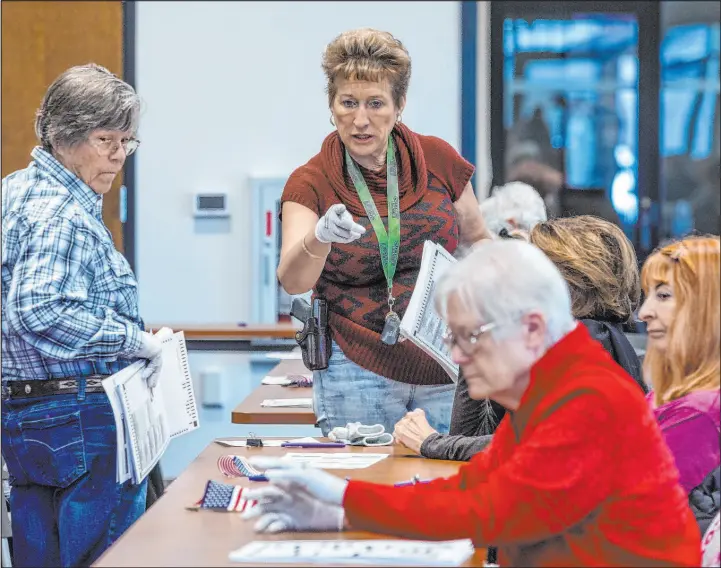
(515,200)
(503,280)
(82,99)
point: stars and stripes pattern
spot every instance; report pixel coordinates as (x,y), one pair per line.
(224,497)
(236,466)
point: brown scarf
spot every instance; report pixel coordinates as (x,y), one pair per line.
(412,174)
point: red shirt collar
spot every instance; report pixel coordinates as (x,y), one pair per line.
(550,367)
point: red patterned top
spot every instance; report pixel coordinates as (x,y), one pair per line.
(432,176)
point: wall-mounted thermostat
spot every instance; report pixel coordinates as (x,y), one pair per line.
(211,205)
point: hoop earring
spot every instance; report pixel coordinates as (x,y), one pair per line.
(331,120)
(400,118)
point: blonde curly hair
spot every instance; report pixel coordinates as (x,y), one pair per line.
(366,54)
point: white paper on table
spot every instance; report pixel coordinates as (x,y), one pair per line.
(288,402)
(332,460)
(285,355)
(282,380)
(267,443)
(356,552)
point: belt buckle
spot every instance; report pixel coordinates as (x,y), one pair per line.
(10,391)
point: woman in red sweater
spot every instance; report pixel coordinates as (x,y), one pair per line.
(415,188)
(577,474)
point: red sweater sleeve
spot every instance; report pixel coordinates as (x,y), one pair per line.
(444,162)
(553,480)
(299,189)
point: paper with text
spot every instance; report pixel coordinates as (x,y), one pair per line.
(421,324)
(356,552)
(123,471)
(146,420)
(334,460)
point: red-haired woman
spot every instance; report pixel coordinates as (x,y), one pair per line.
(681,311)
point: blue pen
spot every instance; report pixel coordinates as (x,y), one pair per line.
(257,478)
(312,445)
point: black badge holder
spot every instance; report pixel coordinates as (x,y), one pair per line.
(314,338)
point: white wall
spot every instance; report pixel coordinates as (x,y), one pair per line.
(233,90)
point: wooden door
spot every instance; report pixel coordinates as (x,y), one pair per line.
(40,40)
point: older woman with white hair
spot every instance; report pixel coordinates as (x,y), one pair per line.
(69,318)
(577,474)
(513,209)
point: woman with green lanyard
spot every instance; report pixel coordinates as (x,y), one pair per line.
(354,220)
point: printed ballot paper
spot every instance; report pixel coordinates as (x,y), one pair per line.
(421,324)
(147,420)
(356,552)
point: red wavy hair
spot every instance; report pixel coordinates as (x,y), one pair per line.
(692,267)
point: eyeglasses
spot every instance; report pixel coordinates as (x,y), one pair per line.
(466,343)
(107,146)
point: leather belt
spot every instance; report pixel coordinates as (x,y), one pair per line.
(32,389)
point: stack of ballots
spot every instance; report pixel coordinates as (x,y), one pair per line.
(147,419)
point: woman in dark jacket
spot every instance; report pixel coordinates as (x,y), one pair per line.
(599,265)
(705,499)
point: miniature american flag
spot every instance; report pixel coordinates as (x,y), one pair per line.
(300,381)
(236,466)
(223,497)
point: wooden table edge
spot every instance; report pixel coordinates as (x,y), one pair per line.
(239,417)
(226,332)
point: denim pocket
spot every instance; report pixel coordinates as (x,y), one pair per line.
(54,449)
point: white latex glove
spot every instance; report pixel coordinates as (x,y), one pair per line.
(337,226)
(151,348)
(282,510)
(294,477)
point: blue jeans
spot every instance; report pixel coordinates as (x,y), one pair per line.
(346,392)
(65,504)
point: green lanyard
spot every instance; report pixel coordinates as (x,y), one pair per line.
(388,242)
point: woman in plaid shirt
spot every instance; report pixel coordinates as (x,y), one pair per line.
(69,318)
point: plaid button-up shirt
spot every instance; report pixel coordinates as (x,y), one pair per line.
(69,298)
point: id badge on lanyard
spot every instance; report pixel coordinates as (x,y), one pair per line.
(388,241)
